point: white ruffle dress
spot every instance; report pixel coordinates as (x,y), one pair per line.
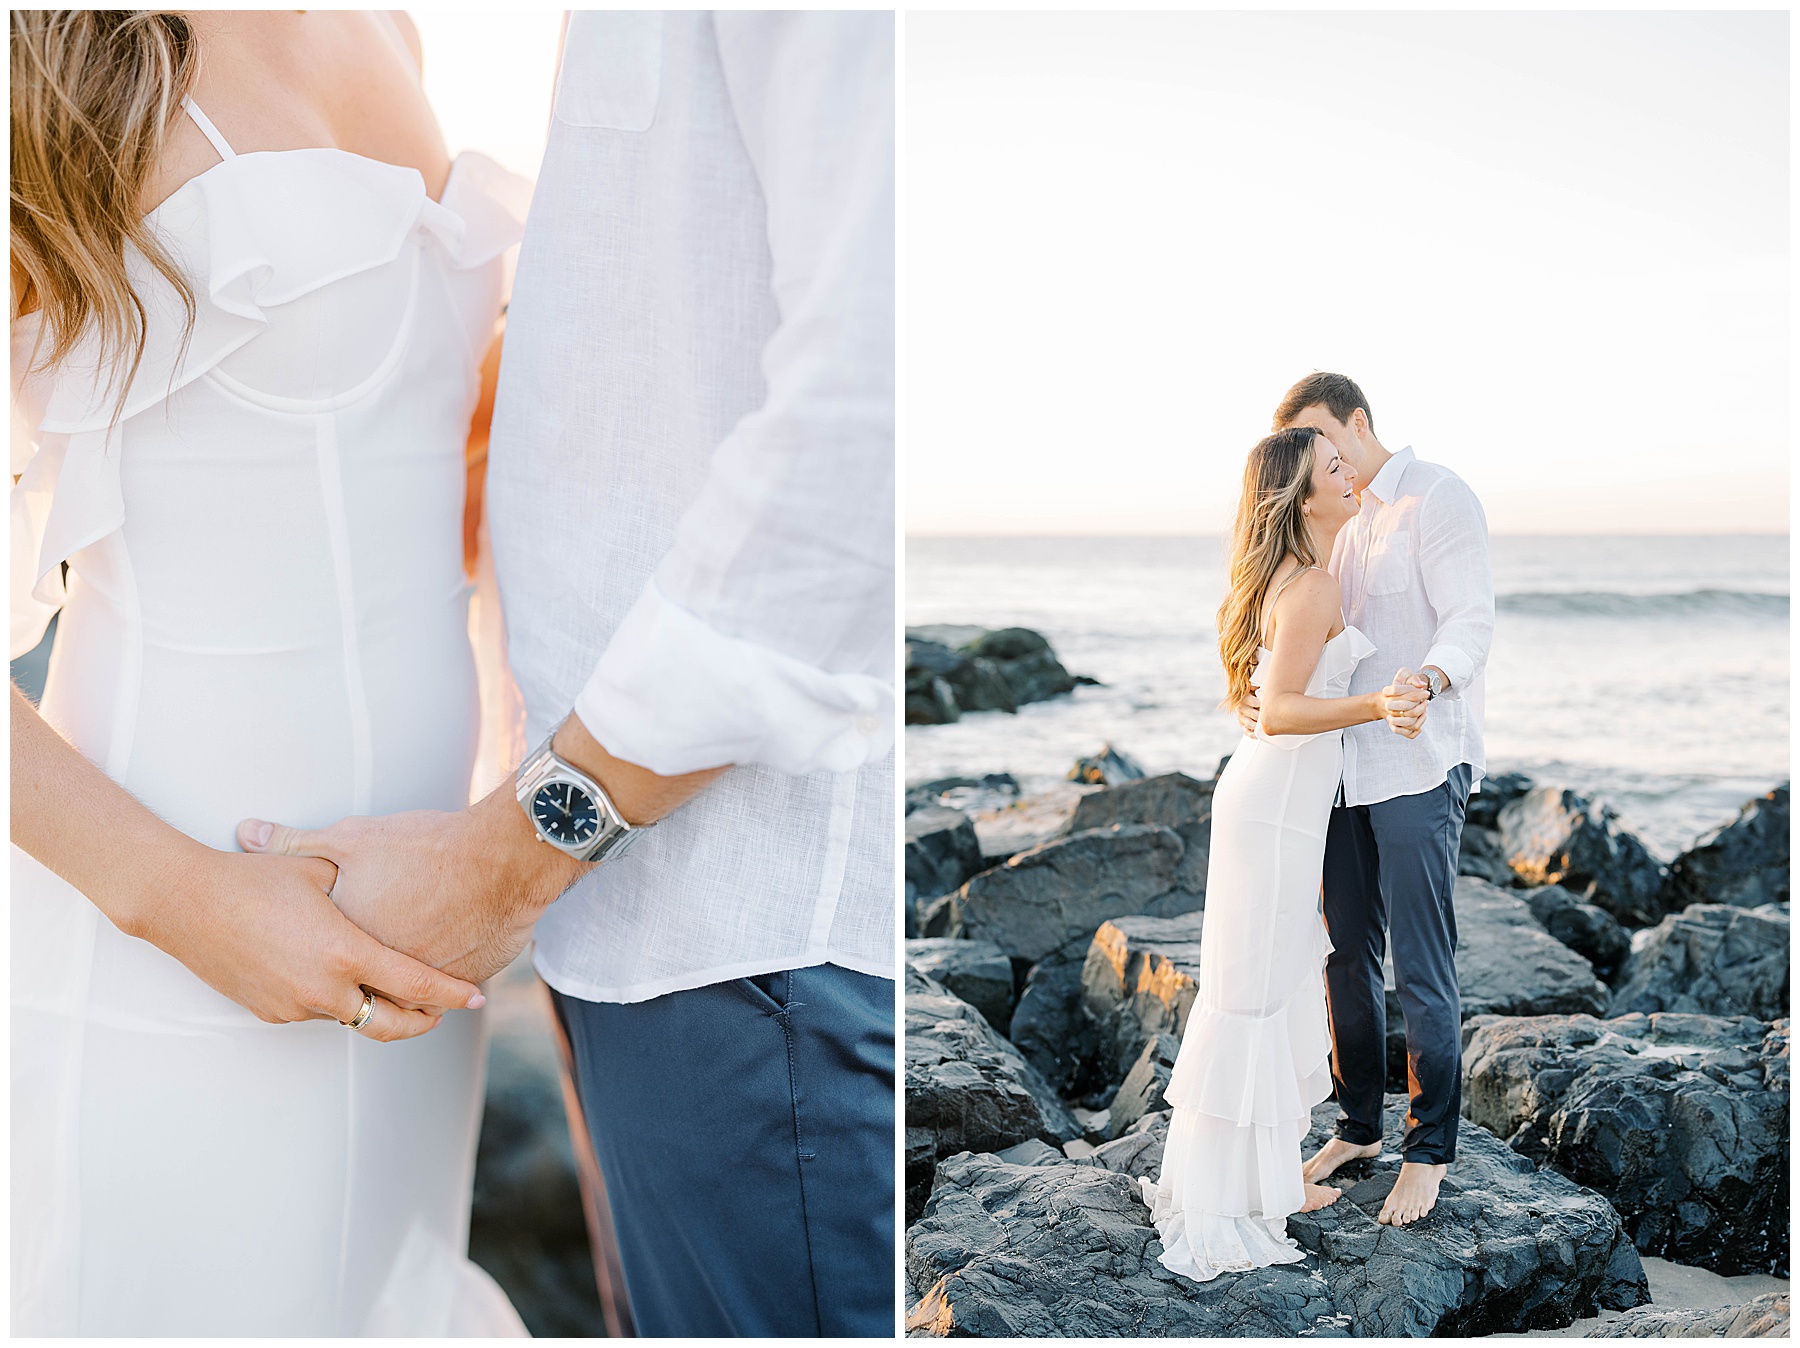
(1255,1055)
(264,614)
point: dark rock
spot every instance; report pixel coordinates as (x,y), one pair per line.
(1554,837)
(976,971)
(1068,1250)
(1681,1121)
(942,851)
(966,1085)
(951,670)
(930,700)
(1026,662)
(1139,982)
(1028,822)
(1109,767)
(1032,1151)
(1764,1317)
(1060,891)
(1497,792)
(1174,800)
(1713,959)
(527,1226)
(937,918)
(1050,1029)
(921,1165)
(1508,965)
(1482,854)
(1141,1092)
(1743,863)
(922,795)
(1593,933)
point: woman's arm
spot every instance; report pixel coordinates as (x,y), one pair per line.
(1301,624)
(261,930)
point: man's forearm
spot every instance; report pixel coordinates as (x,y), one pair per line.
(642,796)
(531,873)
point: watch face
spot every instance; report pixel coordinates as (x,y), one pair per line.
(565,813)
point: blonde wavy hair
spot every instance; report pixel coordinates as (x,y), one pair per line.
(94,94)
(1269,529)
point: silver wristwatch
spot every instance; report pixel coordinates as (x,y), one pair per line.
(1434,684)
(569,809)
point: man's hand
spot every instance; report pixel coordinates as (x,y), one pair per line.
(1404,701)
(459,890)
(263,931)
(1249,711)
(462,890)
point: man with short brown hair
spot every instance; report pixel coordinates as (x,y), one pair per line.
(1413,566)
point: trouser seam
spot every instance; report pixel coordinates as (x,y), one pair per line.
(786,1019)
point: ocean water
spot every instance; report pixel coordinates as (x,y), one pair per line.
(1650,672)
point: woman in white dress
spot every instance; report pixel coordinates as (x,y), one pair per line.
(1255,1053)
(251,341)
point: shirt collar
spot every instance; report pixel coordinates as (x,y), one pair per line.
(1386,484)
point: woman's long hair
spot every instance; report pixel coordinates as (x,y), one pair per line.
(94,94)
(1269,528)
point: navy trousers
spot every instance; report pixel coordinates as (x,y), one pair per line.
(1390,870)
(745,1131)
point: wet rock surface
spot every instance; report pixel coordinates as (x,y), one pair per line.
(1681,1121)
(1068,1249)
(1591,932)
(1553,836)
(951,670)
(1175,801)
(1060,891)
(942,851)
(1712,959)
(1109,767)
(1507,964)
(1139,981)
(1745,862)
(966,1086)
(978,972)
(1052,1031)
(1763,1317)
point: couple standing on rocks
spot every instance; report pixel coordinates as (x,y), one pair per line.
(1346,559)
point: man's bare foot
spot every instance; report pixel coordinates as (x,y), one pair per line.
(1319,1196)
(1414,1194)
(1333,1154)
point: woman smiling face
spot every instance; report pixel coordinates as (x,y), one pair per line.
(1333,500)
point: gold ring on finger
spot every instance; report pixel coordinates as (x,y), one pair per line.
(362,1016)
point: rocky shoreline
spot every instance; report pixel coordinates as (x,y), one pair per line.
(1625,1068)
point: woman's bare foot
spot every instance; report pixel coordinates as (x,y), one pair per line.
(1333,1154)
(1319,1196)
(1414,1194)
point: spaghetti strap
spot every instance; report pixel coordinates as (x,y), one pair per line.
(208,130)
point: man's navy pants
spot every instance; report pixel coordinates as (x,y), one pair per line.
(1390,871)
(745,1131)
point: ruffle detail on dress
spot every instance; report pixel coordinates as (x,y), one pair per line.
(335,213)
(1201,1246)
(1259,1071)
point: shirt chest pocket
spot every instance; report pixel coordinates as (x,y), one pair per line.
(1391,564)
(611,73)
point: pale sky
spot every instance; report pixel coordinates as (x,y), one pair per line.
(1552,248)
(489,75)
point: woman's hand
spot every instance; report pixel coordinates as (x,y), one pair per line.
(1403,704)
(264,932)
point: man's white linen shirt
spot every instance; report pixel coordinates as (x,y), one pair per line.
(691,485)
(1414,570)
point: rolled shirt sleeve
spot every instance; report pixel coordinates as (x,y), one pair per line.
(1459,582)
(766,634)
